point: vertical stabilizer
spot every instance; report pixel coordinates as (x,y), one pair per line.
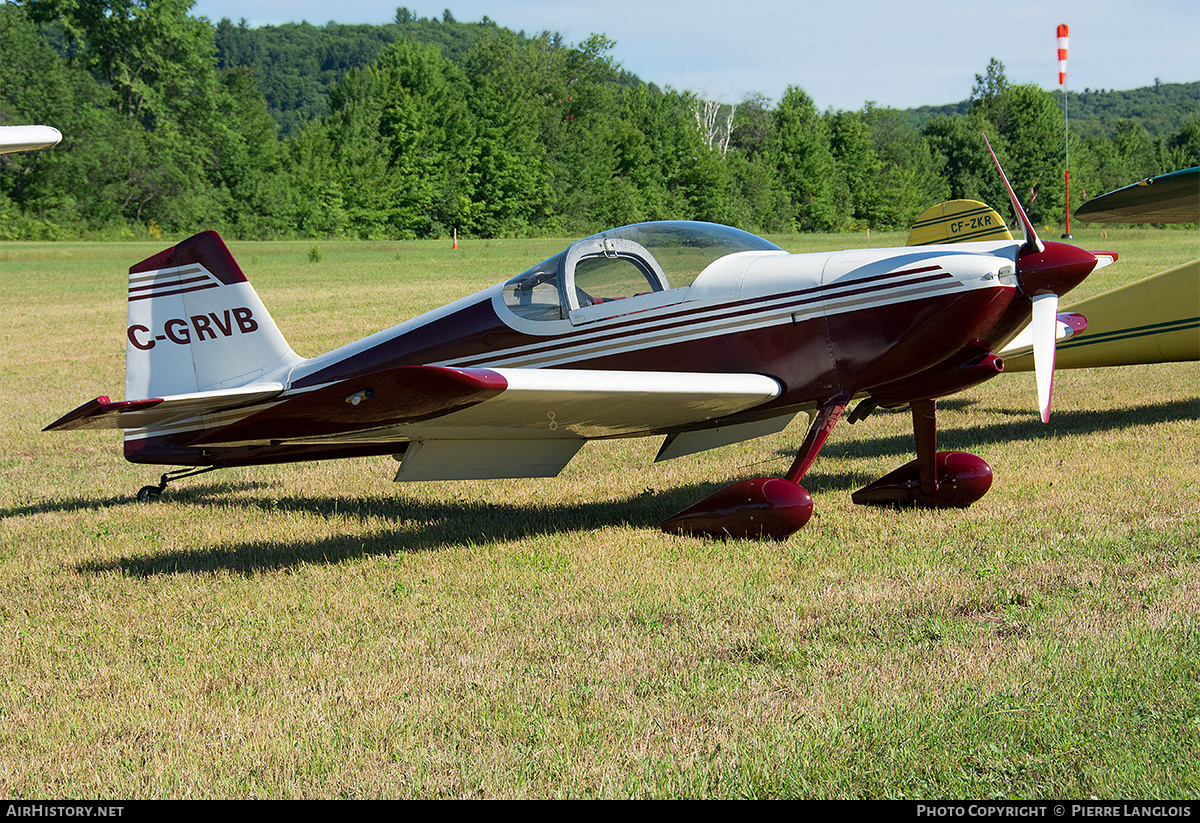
(196,324)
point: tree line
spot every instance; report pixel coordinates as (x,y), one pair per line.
(424,127)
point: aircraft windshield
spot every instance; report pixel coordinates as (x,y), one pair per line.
(625,262)
(684,249)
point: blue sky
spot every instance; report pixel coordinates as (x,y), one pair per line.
(843,55)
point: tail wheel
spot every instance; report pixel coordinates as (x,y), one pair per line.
(149,494)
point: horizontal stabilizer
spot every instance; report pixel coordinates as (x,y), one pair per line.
(103,413)
(390,397)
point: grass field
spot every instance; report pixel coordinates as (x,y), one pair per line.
(315,630)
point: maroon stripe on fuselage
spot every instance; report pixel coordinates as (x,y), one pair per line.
(475,336)
(883,286)
(472,330)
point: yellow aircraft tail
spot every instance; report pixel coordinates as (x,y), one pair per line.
(958,221)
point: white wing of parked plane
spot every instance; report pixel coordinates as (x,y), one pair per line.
(27,138)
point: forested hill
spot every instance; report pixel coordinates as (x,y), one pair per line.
(418,128)
(298,64)
(1159,109)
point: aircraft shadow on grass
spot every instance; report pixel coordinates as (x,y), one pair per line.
(420,526)
(1026,427)
(427,526)
(75,504)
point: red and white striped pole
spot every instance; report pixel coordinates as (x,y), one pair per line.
(1063,38)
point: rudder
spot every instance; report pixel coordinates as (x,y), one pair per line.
(196,324)
(958,221)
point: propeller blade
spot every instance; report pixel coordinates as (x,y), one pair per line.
(1045,311)
(1032,242)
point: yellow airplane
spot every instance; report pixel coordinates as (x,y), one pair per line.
(1155,320)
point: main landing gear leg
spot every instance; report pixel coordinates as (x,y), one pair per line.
(151,494)
(766,506)
(935,479)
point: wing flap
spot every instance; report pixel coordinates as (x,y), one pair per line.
(485,459)
(679,444)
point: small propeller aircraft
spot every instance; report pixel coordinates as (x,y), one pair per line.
(702,334)
(27,138)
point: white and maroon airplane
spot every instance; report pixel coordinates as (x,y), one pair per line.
(701,334)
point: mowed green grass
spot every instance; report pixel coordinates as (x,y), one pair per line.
(316,630)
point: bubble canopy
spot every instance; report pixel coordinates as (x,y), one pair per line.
(630,261)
